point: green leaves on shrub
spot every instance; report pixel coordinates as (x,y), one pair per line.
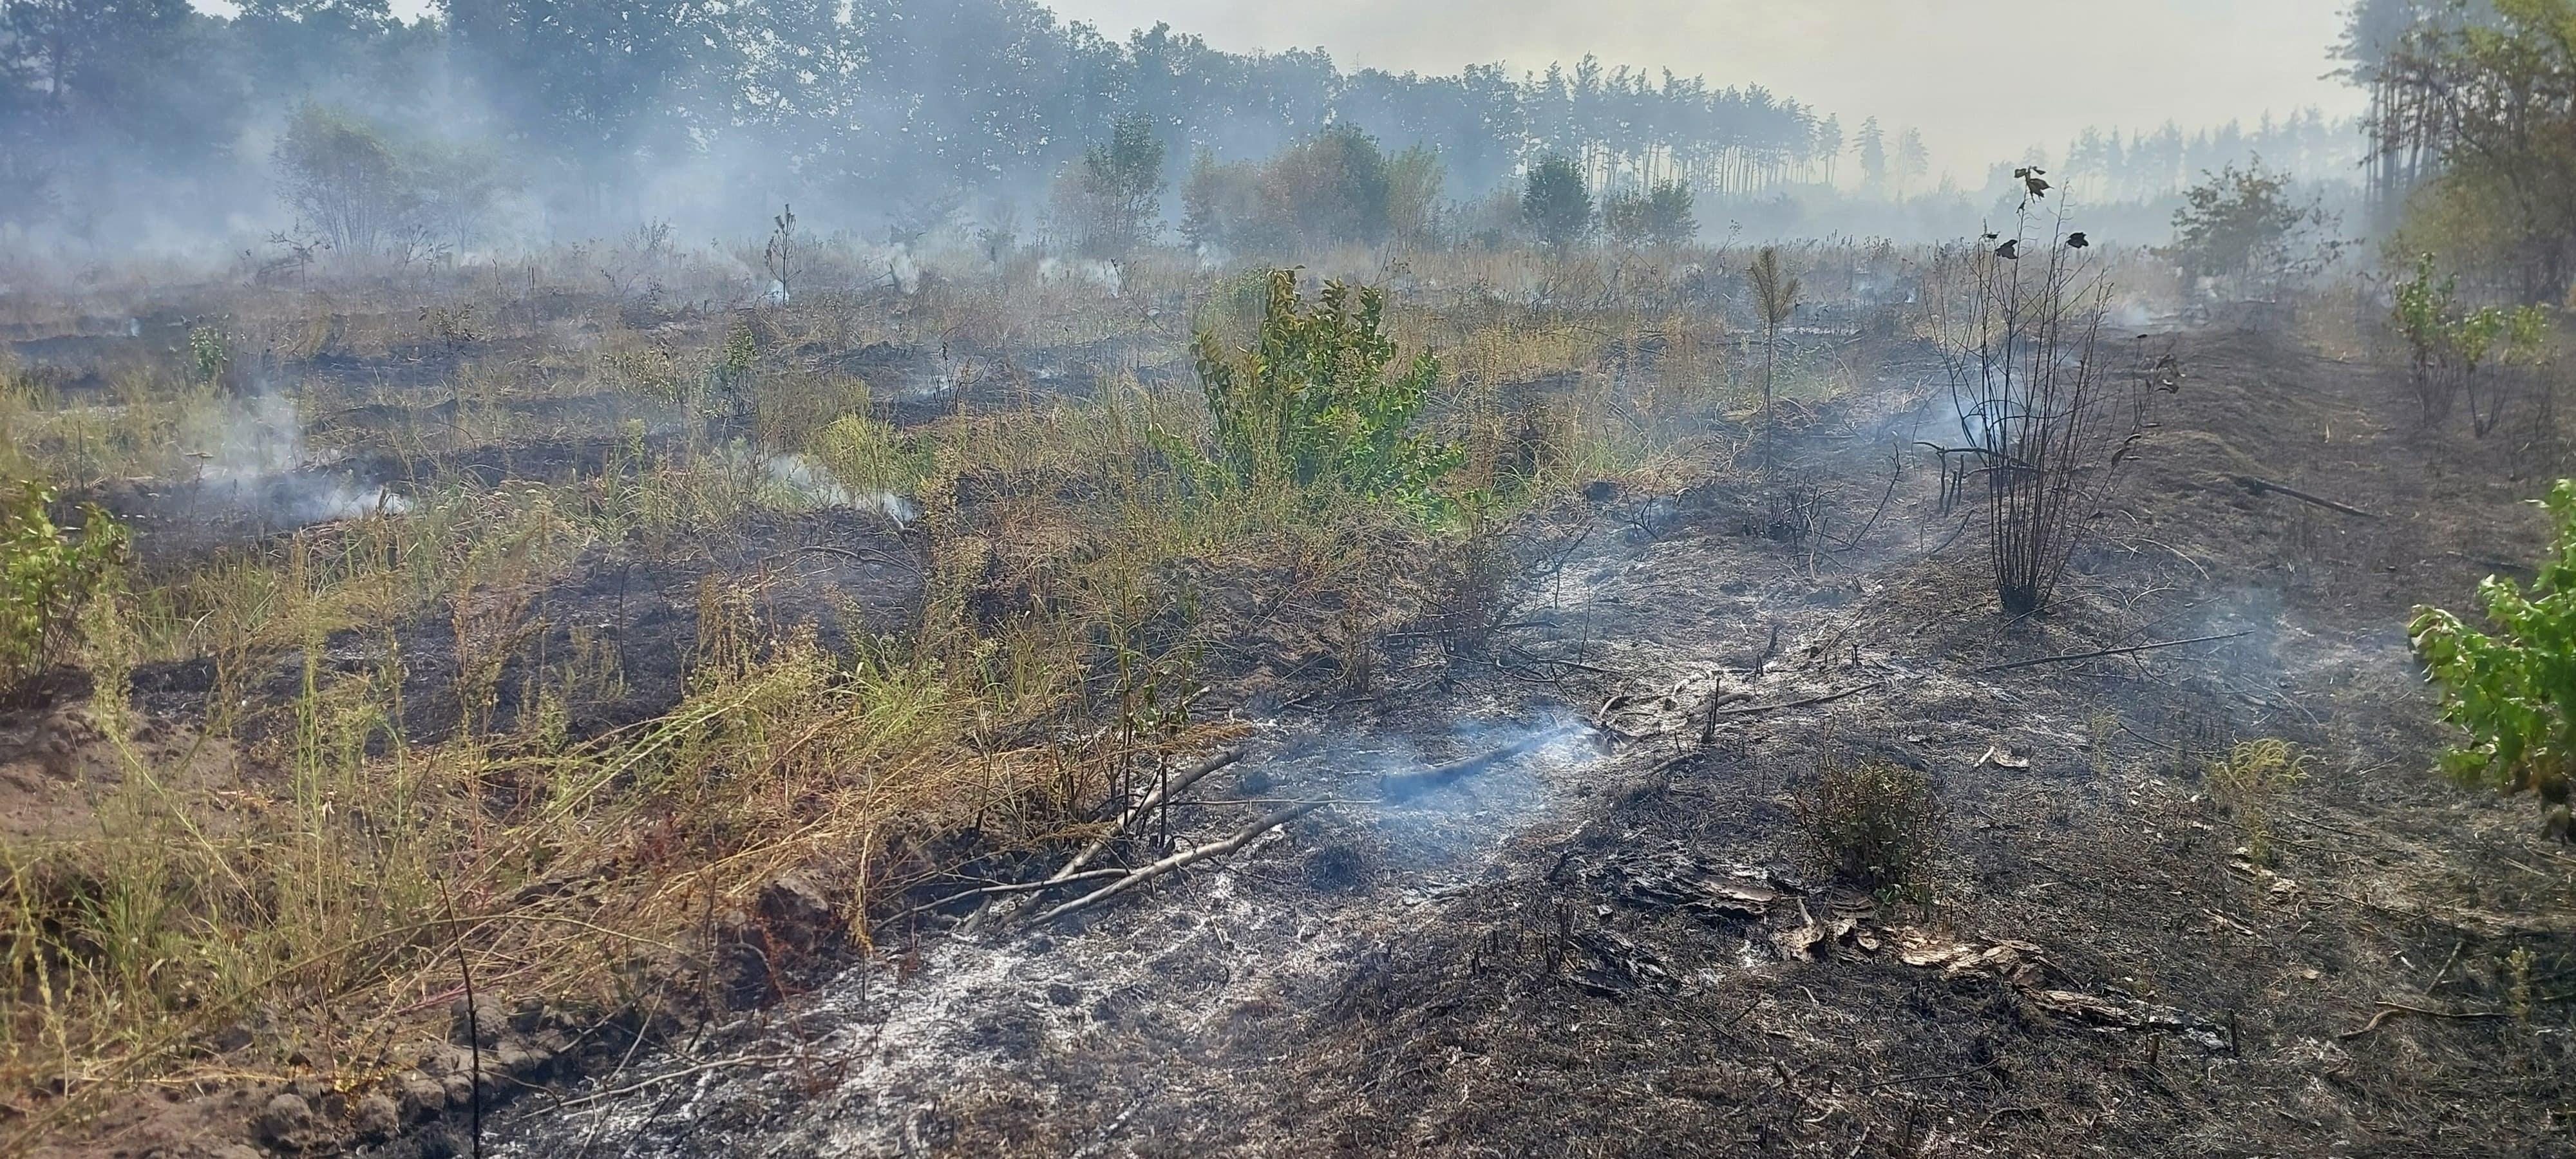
(2447,343)
(2512,691)
(1312,404)
(46,574)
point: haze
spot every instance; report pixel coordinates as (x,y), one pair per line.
(1983,79)
(2194,62)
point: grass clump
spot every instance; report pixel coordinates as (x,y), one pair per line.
(2249,782)
(1876,823)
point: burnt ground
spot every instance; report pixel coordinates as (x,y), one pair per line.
(1619,944)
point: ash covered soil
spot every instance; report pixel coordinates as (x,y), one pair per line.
(1616,941)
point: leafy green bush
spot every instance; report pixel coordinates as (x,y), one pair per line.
(1338,186)
(212,350)
(2448,344)
(2245,224)
(364,189)
(1312,405)
(1657,216)
(47,573)
(2512,691)
(1555,203)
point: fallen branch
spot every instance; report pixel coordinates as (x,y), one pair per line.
(1922,1078)
(683,1072)
(1395,788)
(2099,653)
(1163,791)
(1241,838)
(1005,888)
(2388,1010)
(2259,486)
(1827,698)
(1718,700)
(876,557)
(1896,469)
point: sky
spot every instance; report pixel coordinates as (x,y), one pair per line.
(1983,79)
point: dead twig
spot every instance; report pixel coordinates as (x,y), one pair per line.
(2388,1010)
(1162,792)
(1003,889)
(1923,1078)
(1896,470)
(1395,788)
(473,1021)
(1240,838)
(2436,983)
(683,1072)
(2101,652)
(1827,698)
(1717,699)
(845,553)
(2259,486)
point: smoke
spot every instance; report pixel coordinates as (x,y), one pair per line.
(252,458)
(2130,316)
(1092,270)
(896,261)
(808,484)
(1461,811)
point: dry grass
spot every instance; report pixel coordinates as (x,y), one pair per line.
(2248,784)
(300,861)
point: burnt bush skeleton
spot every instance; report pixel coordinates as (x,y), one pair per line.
(2042,426)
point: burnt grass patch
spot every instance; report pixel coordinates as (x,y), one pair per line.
(1627,945)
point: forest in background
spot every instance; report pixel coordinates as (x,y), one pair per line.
(147,124)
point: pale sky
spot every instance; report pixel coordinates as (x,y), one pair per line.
(1983,79)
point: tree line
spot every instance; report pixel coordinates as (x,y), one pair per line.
(593,109)
(2472,135)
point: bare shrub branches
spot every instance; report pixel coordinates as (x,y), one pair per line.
(1875,822)
(2019,321)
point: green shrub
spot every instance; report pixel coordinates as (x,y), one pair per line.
(2246,224)
(212,351)
(1335,187)
(1875,822)
(47,573)
(363,189)
(866,456)
(2448,344)
(1657,216)
(1312,405)
(1555,202)
(2512,691)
